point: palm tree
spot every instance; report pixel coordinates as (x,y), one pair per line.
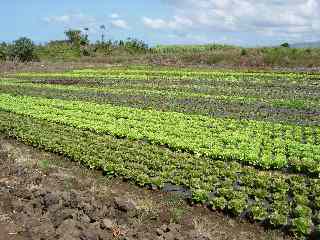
(86,29)
(103,28)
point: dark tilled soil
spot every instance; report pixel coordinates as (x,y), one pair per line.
(45,196)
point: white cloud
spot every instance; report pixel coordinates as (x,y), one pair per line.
(154,23)
(178,22)
(58,19)
(74,20)
(287,18)
(189,38)
(81,21)
(114,15)
(120,23)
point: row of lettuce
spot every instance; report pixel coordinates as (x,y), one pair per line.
(181,74)
(272,88)
(303,104)
(212,88)
(192,87)
(297,111)
(290,202)
(262,144)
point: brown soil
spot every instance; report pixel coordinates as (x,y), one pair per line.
(9,67)
(12,67)
(45,196)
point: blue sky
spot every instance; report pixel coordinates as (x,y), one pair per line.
(240,22)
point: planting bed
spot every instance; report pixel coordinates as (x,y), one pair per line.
(245,143)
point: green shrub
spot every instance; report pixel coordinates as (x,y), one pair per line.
(22,50)
(86,52)
(215,58)
(287,45)
(243,52)
(58,51)
(135,45)
(76,37)
(3,51)
(308,50)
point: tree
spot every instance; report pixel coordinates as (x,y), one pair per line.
(287,45)
(3,51)
(76,38)
(73,36)
(86,36)
(103,29)
(22,49)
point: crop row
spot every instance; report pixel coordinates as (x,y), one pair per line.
(301,104)
(260,144)
(278,89)
(212,88)
(145,74)
(286,201)
(298,104)
(199,72)
(165,102)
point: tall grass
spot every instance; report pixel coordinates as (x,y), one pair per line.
(133,51)
(178,49)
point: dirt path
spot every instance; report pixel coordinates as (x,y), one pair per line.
(44,196)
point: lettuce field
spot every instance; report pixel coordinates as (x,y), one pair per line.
(245,143)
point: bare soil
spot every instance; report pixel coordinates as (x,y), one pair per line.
(12,67)
(45,196)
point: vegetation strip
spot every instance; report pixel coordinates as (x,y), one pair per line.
(290,103)
(260,144)
(103,118)
(287,201)
(198,106)
(146,73)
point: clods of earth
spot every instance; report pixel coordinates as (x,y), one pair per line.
(45,196)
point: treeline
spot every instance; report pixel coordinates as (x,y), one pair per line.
(77,47)
(77,44)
